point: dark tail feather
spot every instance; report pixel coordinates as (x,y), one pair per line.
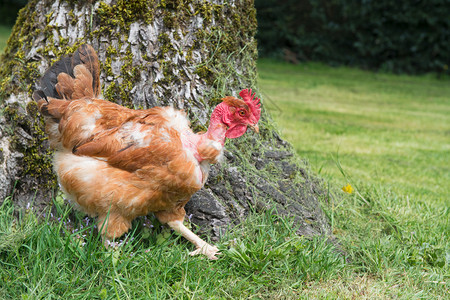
(41,100)
(85,55)
(39,95)
(50,79)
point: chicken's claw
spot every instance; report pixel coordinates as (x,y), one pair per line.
(207,250)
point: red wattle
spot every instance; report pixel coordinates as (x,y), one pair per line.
(236,131)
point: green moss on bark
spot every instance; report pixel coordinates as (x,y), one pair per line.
(230,36)
(18,76)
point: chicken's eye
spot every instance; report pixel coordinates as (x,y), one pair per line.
(242,112)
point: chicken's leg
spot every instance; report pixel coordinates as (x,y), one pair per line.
(202,246)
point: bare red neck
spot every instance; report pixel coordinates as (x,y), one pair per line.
(217,129)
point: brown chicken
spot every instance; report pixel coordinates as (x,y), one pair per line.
(118,163)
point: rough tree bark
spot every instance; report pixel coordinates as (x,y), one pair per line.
(185,53)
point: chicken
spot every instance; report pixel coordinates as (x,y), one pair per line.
(117,163)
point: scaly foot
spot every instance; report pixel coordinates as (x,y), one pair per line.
(207,250)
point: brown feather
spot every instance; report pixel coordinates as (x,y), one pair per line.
(82,86)
(65,86)
(54,108)
(235,102)
(103,146)
(208,152)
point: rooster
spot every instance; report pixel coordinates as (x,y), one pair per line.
(117,163)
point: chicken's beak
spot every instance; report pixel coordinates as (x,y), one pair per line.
(255,128)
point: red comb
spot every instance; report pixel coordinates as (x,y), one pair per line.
(252,102)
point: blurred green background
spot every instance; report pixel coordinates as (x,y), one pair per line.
(400,36)
(9,10)
(8,14)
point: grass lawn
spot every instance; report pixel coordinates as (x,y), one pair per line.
(387,130)
(388,134)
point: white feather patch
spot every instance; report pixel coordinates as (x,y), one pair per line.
(84,166)
(88,127)
(134,131)
(176,119)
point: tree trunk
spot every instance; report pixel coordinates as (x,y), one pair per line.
(188,54)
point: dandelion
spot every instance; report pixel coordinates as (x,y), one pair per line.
(348,188)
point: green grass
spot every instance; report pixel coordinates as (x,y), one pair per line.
(388,135)
(53,260)
(389,130)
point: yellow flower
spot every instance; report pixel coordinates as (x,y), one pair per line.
(348,188)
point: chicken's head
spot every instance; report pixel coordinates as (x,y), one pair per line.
(241,113)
